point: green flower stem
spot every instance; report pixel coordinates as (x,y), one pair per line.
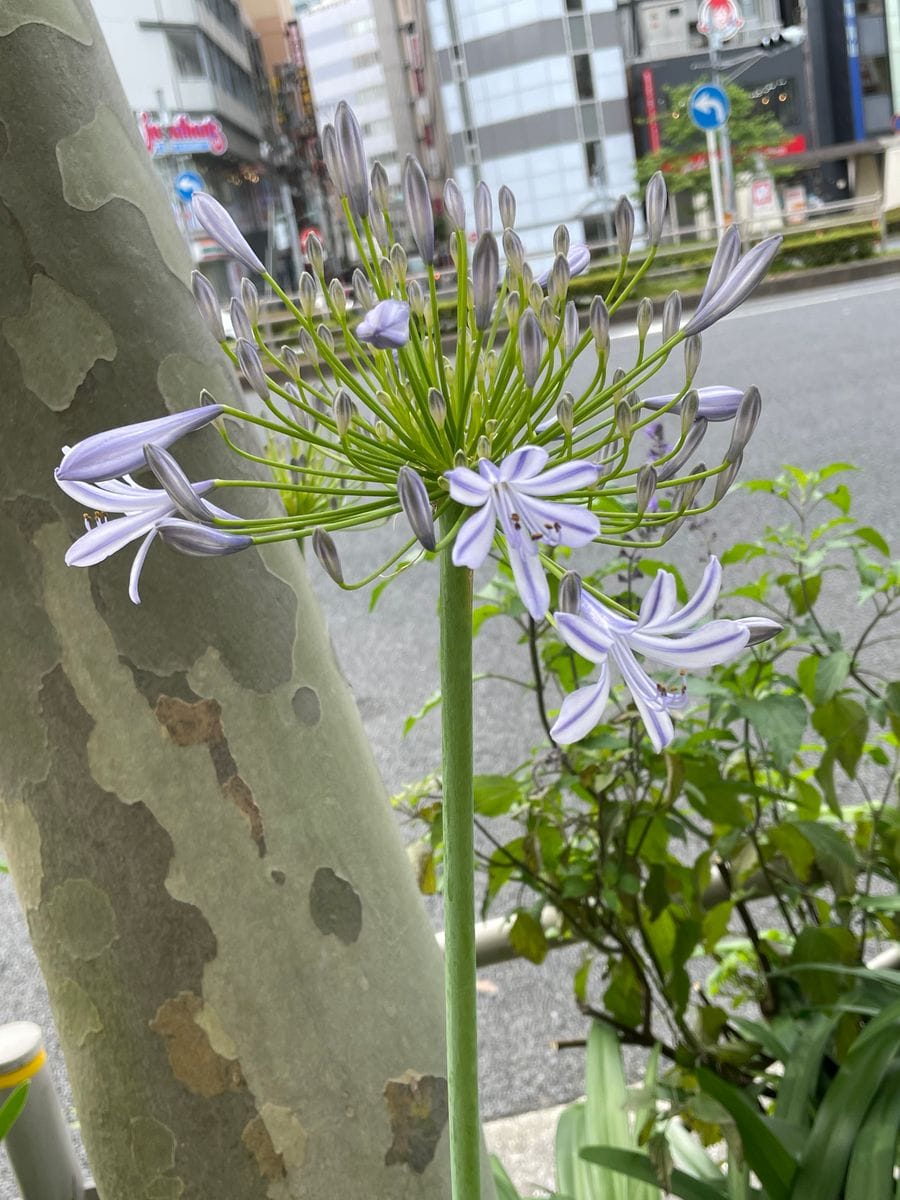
(459,874)
(634,280)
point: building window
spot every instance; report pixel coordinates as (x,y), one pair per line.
(368,95)
(593,158)
(573,6)
(358,28)
(365,60)
(226,12)
(185,50)
(584,79)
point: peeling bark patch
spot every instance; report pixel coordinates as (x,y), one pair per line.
(258,1142)
(198,723)
(4,139)
(335,906)
(53,368)
(29,513)
(152,1146)
(193,1060)
(306,706)
(58,14)
(82,917)
(76,1012)
(417,1105)
(165,1187)
(278,877)
(102,162)
(288,1135)
(19,827)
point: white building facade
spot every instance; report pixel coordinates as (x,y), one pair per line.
(535,96)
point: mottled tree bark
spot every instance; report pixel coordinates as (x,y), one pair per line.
(246,985)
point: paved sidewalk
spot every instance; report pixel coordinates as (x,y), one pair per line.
(525,1146)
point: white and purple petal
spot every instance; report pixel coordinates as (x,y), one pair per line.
(709,646)
(585,637)
(659,602)
(572,476)
(523,464)
(467,487)
(475,538)
(531,582)
(559,524)
(581,711)
(702,602)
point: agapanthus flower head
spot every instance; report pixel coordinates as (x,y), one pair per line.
(740,282)
(386,325)
(716,403)
(661,632)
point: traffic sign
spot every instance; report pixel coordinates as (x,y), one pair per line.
(187,183)
(719,20)
(709,106)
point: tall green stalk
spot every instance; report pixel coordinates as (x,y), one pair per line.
(459,877)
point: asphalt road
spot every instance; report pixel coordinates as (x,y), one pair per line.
(827,365)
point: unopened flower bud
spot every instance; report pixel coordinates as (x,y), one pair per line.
(437,406)
(309,347)
(693,438)
(536,296)
(726,478)
(316,254)
(483,208)
(506,202)
(308,294)
(250,297)
(251,367)
(724,261)
(220,226)
(558,284)
(387,273)
(362,290)
(671,320)
(693,348)
(208,304)
(484,447)
(381,431)
(419,212)
(338,296)
(745,422)
(645,487)
(624,418)
(531,347)
(565,412)
(485,279)
(644,317)
(454,204)
(416,505)
(290,360)
(459,459)
(513,306)
(761,629)
(690,407)
(399,262)
(416,297)
(377,223)
(380,185)
(624,223)
(344,411)
(607,456)
(569,599)
(561,240)
(326,553)
(332,159)
(188,537)
(514,251)
(176,484)
(548,319)
(690,489)
(655,200)
(240,321)
(352,156)
(325,336)
(599,322)
(570,327)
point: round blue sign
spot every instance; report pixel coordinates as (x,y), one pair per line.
(709,106)
(187,183)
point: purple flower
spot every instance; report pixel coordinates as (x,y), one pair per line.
(220,226)
(120,451)
(717,403)
(415,502)
(578,258)
(513,495)
(743,279)
(386,326)
(142,508)
(202,541)
(661,633)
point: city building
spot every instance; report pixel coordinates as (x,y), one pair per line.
(187,67)
(375,55)
(535,96)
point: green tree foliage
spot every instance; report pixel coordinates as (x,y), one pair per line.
(682,141)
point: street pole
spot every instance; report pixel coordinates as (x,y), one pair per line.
(727,167)
(715,176)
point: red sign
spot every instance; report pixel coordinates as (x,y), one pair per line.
(650,106)
(794,145)
(183,135)
(719,19)
(305,235)
(762,193)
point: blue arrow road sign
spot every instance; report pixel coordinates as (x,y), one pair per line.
(187,183)
(709,106)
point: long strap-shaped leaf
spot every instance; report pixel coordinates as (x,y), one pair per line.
(824,1162)
(801,1072)
(768,1158)
(871,1172)
(638,1166)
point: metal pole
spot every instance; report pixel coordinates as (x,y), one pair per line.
(39,1147)
(287,204)
(715,178)
(724,136)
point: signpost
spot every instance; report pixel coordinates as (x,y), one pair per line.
(709,107)
(719,21)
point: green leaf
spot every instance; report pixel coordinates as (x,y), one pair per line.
(824,1163)
(843,723)
(742,552)
(892,703)
(505,1188)
(638,1166)
(801,1071)
(840,498)
(624,998)
(780,722)
(867,534)
(834,854)
(871,1170)
(495,794)
(766,1155)
(527,937)
(580,978)
(12,1107)
(831,672)
(804,593)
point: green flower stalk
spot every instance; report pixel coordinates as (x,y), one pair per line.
(458,411)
